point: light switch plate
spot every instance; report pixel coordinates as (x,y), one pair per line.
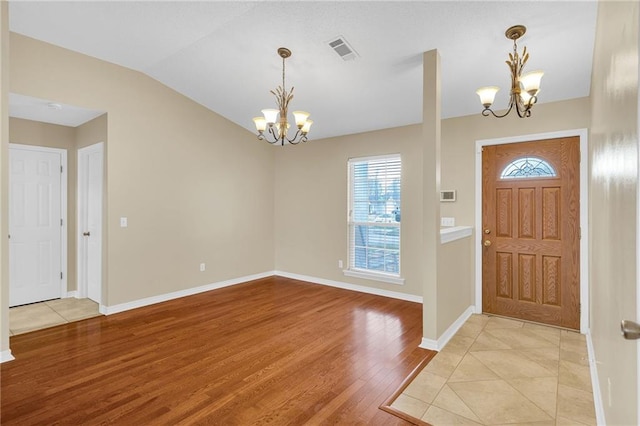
(123,222)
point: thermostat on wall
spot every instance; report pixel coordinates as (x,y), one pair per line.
(448,195)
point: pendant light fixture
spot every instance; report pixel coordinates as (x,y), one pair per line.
(275,122)
(524,88)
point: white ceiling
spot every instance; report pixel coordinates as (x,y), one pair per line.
(49,111)
(223,54)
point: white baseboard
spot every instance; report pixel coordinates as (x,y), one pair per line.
(73,293)
(6,356)
(109,310)
(352,287)
(437,345)
(595,381)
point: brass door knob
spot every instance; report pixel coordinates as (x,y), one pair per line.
(487,243)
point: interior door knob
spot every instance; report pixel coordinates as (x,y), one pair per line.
(630,330)
(487,243)
(86,234)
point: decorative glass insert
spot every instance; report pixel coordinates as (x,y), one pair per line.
(528,167)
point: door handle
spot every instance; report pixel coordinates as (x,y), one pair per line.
(87,234)
(630,330)
(487,243)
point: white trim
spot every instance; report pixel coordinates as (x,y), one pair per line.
(372,276)
(393,156)
(455,233)
(595,382)
(6,356)
(71,294)
(63,205)
(352,287)
(109,310)
(438,345)
(584,212)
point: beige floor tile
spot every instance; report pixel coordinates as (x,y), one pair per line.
(497,322)
(500,371)
(73,309)
(577,357)
(541,391)
(458,345)
(470,330)
(573,335)
(471,369)
(575,375)
(33,317)
(549,333)
(425,386)
(547,357)
(496,402)
(487,342)
(576,405)
(477,319)
(439,417)
(411,406)
(520,338)
(561,421)
(513,365)
(448,400)
(443,364)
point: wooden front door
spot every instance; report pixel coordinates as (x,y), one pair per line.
(531,231)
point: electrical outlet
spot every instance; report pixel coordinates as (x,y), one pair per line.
(339,263)
(202,267)
(123,222)
(447,221)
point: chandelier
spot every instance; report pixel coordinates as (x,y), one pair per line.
(277,129)
(524,88)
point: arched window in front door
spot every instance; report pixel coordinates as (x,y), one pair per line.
(528,167)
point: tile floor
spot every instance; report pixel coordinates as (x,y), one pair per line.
(41,315)
(498,371)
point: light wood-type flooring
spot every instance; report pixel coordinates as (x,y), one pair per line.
(271,351)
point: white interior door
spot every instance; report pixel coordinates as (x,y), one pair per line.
(90,192)
(36,259)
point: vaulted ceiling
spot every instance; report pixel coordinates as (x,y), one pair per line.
(222,54)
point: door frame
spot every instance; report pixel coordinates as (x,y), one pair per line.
(64,292)
(584,213)
(83,289)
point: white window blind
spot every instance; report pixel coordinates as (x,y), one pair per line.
(374,215)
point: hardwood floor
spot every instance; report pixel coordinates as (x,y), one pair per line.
(275,351)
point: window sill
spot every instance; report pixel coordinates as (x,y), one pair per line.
(375,277)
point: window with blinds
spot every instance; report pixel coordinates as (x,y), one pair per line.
(374,215)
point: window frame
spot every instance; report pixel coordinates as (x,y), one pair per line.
(352,270)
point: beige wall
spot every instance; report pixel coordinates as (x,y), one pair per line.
(613,192)
(194,186)
(311,204)
(4,177)
(455,282)
(431,253)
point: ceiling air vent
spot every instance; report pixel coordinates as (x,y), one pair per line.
(343,49)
